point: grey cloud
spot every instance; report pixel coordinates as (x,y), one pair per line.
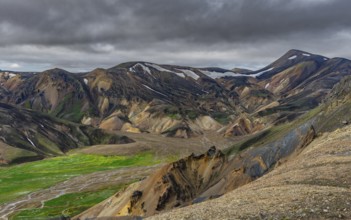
(190,32)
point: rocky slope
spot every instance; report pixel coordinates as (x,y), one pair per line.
(274,113)
(308,180)
(180,101)
(27,135)
(313,185)
(199,177)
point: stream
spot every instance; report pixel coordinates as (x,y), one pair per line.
(76,184)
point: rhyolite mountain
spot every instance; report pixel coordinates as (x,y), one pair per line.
(169,100)
(176,100)
(273,117)
(292,157)
(27,135)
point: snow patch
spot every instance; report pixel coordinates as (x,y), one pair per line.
(31,142)
(292,57)
(262,72)
(145,68)
(180,74)
(154,90)
(325,58)
(189,73)
(267,85)
(86,81)
(159,68)
(216,75)
(306,54)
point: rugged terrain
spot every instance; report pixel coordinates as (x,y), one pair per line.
(180,101)
(315,184)
(295,166)
(197,178)
(263,124)
(27,135)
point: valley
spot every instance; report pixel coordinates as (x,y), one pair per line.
(152,140)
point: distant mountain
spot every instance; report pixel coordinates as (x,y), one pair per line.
(270,116)
(26,135)
(287,155)
(180,101)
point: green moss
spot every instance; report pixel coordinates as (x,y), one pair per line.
(19,180)
(70,108)
(48,145)
(68,204)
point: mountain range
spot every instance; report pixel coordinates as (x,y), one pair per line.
(267,117)
(177,101)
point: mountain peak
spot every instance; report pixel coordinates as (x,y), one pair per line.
(56,71)
(296,51)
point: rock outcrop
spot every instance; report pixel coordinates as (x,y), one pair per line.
(198,178)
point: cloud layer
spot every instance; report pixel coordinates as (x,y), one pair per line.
(84,34)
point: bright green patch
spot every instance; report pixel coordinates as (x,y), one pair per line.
(68,204)
(19,180)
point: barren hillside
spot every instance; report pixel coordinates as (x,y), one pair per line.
(313,185)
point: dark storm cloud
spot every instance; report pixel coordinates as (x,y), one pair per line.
(189,32)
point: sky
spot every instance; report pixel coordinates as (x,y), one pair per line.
(81,35)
